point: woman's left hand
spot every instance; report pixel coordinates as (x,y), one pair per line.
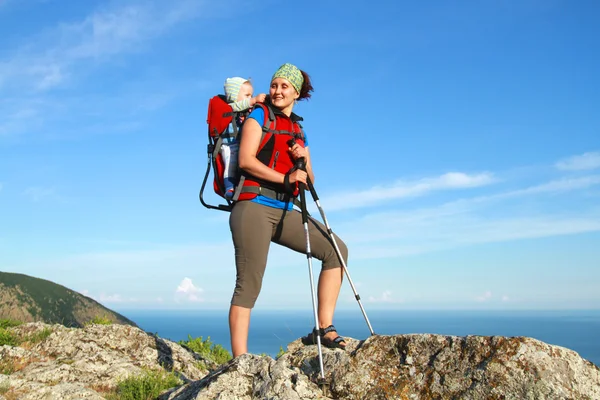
(298,151)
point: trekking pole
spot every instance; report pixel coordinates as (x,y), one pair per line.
(313,192)
(300,164)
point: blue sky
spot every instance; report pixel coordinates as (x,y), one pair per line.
(456,147)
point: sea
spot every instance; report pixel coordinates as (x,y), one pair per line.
(271,330)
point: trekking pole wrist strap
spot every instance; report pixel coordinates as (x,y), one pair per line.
(286,183)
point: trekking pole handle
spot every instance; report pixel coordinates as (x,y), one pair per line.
(301,164)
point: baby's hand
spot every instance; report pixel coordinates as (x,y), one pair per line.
(260,98)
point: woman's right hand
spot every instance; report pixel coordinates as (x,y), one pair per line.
(298,176)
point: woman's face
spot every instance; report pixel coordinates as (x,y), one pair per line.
(282,93)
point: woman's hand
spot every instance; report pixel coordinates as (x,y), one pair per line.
(297,151)
(298,176)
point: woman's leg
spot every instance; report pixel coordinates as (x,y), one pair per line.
(251,232)
(330,278)
(239,324)
(330,283)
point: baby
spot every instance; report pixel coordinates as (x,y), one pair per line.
(238,92)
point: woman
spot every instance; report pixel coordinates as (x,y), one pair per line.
(265,213)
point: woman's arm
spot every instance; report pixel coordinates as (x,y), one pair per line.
(251,136)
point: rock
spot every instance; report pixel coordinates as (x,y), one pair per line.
(416,367)
(250,377)
(81,362)
(86,363)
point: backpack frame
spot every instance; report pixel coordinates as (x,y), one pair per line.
(220,117)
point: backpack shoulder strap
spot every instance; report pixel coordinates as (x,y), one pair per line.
(269,115)
(300,134)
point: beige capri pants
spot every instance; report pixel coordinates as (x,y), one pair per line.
(254,226)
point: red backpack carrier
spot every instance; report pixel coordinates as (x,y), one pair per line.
(222,151)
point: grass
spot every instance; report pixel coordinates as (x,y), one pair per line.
(4,387)
(280,353)
(100,320)
(38,336)
(9,323)
(7,366)
(10,365)
(8,338)
(207,349)
(149,385)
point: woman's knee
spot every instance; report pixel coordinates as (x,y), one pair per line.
(332,260)
(248,285)
(245,299)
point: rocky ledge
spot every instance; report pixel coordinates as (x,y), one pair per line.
(87,363)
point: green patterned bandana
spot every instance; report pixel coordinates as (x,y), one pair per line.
(292,74)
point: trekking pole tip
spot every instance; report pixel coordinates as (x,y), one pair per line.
(323,385)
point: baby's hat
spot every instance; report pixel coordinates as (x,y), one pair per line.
(232,88)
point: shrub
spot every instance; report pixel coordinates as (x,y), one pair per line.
(4,387)
(149,385)
(207,349)
(7,366)
(100,320)
(8,338)
(8,323)
(38,336)
(280,353)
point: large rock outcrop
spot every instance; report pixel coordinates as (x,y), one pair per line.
(87,363)
(416,367)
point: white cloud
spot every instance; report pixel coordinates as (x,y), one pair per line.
(48,60)
(505,298)
(65,55)
(396,234)
(385,297)
(401,189)
(19,112)
(482,219)
(110,298)
(484,297)
(560,185)
(38,193)
(49,75)
(188,291)
(585,161)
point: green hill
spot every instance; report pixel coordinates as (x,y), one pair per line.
(28,299)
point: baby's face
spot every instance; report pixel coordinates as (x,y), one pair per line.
(245,91)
